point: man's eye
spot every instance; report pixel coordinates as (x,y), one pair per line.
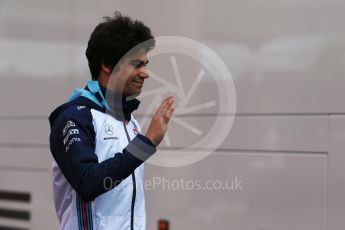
(139,65)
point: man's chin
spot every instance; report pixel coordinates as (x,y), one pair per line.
(137,94)
(134,94)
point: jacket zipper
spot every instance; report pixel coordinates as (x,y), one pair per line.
(134,184)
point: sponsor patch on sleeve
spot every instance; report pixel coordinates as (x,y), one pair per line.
(70,132)
(71,141)
(68,125)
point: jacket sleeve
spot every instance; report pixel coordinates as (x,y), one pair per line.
(72,143)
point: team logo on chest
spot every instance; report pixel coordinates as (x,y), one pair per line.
(109,129)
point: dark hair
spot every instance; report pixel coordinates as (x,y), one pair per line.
(113,38)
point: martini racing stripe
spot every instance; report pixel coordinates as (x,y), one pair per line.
(84,212)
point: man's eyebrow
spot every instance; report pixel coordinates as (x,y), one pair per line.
(138,61)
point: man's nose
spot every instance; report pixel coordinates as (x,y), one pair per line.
(144,72)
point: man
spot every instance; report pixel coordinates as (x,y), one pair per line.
(96,141)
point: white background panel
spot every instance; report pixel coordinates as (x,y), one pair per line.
(261,20)
(336,175)
(23,132)
(287,60)
(40,187)
(30,96)
(279,191)
(287,76)
(284,133)
(35,158)
(289,133)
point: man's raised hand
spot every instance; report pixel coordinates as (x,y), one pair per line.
(160,120)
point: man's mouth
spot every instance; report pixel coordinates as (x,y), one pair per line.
(138,83)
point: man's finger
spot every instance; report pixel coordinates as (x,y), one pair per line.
(169,113)
(167,104)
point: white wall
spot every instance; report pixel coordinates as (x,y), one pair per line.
(287,62)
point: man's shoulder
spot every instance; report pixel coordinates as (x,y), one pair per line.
(78,110)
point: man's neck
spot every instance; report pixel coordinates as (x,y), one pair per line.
(103,79)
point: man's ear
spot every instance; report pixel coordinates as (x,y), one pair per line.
(106,69)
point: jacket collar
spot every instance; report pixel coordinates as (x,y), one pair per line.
(120,107)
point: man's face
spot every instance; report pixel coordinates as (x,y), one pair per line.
(130,77)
